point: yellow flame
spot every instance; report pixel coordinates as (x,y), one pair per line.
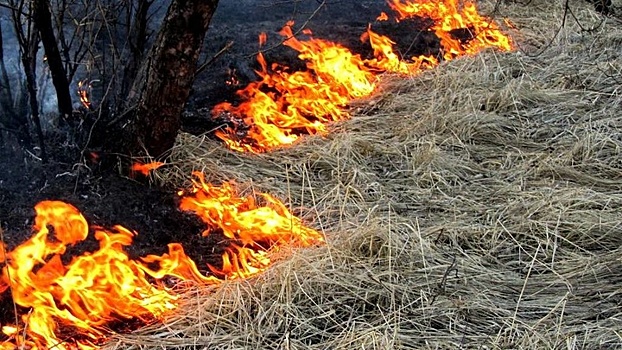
(284,105)
(98,287)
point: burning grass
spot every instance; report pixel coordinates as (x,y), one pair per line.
(474,205)
(96,289)
(280,107)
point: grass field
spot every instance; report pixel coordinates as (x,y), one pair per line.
(474,206)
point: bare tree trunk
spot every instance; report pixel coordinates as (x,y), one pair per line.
(43,22)
(29,63)
(137,38)
(170,72)
(13,120)
(28,39)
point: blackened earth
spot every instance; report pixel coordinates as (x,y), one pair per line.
(105,198)
(240,23)
(108,196)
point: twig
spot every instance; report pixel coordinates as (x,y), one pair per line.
(12,131)
(15,8)
(304,25)
(211,60)
(567,11)
(34,156)
(443,283)
(121,116)
(589,30)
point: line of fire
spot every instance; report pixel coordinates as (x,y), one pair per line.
(73,303)
(282,106)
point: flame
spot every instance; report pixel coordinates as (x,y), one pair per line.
(88,292)
(94,157)
(448,17)
(98,287)
(508,22)
(283,105)
(84,89)
(242,219)
(145,168)
(3,285)
(263,37)
(387,60)
(91,290)
(382,17)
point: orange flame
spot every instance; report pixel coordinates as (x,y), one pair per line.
(449,17)
(91,290)
(145,168)
(97,287)
(242,219)
(263,37)
(84,88)
(284,105)
(508,22)
(387,60)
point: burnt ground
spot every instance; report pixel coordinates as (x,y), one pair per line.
(108,197)
(241,22)
(105,198)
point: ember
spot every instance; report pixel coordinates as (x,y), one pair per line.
(146,167)
(282,106)
(98,287)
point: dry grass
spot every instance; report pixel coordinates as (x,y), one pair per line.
(477,205)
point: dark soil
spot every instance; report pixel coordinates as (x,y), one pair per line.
(241,22)
(107,196)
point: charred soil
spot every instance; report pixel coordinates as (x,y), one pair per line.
(108,195)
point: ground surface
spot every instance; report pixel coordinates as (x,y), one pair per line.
(474,206)
(112,196)
(105,199)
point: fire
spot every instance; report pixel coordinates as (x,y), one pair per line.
(255,228)
(450,19)
(263,37)
(388,61)
(283,105)
(91,290)
(87,292)
(84,92)
(509,23)
(95,288)
(145,168)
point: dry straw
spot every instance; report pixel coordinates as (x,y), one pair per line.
(474,206)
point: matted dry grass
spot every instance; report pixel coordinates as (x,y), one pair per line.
(476,205)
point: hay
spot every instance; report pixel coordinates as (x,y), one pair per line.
(474,206)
